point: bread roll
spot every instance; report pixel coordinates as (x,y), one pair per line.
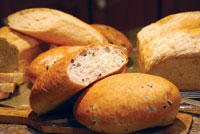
(128,102)
(73,73)
(54,26)
(169,48)
(114,36)
(45,60)
(17,51)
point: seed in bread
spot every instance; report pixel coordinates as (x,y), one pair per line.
(73,73)
(46,59)
(53,26)
(114,36)
(128,102)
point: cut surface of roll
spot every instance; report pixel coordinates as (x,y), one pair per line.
(128,102)
(73,73)
(54,26)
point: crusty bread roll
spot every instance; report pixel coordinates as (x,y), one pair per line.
(114,36)
(54,26)
(128,102)
(170,48)
(16,51)
(73,73)
(17,78)
(46,59)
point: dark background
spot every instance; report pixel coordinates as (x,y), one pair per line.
(120,14)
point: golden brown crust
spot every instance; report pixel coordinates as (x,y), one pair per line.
(128,102)
(114,36)
(54,86)
(45,60)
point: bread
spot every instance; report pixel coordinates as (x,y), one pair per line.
(73,73)
(6,89)
(45,60)
(54,26)
(17,51)
(128,102)
(114,36)
(171,50)
(17,78)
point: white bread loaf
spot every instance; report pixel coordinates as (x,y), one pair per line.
(46,59)
(128,102)
(170,48)
(114,36)
(17,78)
(54,26)
(17,51)
(73,73)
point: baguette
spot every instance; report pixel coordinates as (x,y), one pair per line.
(17,51)
(46,59)
(114,36)
(73,73)
(53,26)
(171,50)
(128,102)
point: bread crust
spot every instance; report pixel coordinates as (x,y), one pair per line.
(66,30)
(114,36)
(54,87)
(46,59)
(171,50)
(128,102)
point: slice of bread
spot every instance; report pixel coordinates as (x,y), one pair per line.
(54,26)
(114,36)
(73,73)
(46,59)
(6,89)
(17,51)
(17,78)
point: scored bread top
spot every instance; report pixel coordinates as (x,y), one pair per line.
(54,26)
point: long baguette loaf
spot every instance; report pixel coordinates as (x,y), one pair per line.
(114,36)
(128,102)
(73,73)
(46,59)
(54,26)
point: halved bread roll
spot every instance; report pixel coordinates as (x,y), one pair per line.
(73,73)
(54,26)
(114,36)
(46,59)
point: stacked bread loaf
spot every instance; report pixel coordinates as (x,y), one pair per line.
(170,48)
(89,58)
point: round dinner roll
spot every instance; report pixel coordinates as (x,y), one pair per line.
(46,59)
(73,73)
(114,36)
(128,102)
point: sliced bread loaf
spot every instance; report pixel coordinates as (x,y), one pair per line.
(54,26)
(73,73)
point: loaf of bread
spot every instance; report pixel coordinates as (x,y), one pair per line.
(16,51)
(170,48)
(6,89)
(46,59)
(114,36)
(17,78)
(54,26)
(128,102)
(73,73)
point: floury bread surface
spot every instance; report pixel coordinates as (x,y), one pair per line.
(128,102)
(73,73)
(170,48)
(54,26)
(46,59)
